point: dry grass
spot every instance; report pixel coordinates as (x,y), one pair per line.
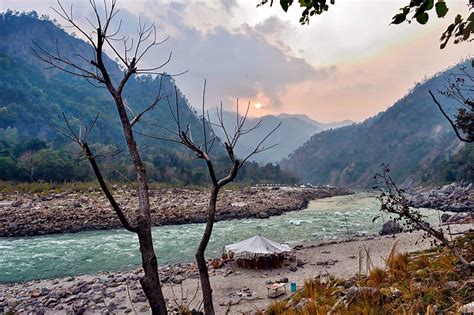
(417,283)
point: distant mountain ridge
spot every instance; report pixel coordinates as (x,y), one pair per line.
(322,126)
(412,136)
(295,129)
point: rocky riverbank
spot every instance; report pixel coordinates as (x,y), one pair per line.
(29,215)
(453,197)
(121,293)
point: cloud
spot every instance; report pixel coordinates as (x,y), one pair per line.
(264,55)
(239,63)
(229,5)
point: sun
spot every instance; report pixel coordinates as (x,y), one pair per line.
(257,105)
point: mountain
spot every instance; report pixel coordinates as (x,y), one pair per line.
(319,125)
(33,98)
(411,136)
(293,132)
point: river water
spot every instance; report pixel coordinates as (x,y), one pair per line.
(59,255)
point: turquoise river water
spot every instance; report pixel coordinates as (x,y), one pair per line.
(59,255)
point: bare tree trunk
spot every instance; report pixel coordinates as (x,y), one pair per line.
(151,280)
(201,260)
(142,221)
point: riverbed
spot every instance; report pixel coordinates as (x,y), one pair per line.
(59,255)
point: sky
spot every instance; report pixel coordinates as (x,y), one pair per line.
(348,63)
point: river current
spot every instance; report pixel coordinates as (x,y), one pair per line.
(59,255)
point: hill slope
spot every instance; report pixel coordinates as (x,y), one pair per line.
(33,97)
(411,136)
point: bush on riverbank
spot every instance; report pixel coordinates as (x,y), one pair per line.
(421,282)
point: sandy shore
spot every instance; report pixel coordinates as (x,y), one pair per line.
(120,293)
(29,214)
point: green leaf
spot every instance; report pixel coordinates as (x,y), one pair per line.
(285,4)
(458,19)
(429,4)
(441,9)
(399,18)
(422,18)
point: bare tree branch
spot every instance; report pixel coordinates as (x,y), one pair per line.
(451,122)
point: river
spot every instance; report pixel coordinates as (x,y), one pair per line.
(59,255)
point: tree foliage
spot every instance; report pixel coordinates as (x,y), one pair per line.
(419,10)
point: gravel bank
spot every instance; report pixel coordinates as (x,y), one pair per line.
(30,215)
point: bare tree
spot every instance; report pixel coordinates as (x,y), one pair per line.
(460,88)
(204,152)
(393,200)
(94,70)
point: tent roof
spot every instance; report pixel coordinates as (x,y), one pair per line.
(257,245)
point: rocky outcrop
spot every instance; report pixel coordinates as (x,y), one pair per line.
(28,215)
(458,218)
(453,197)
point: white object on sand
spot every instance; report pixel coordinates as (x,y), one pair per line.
(257,245)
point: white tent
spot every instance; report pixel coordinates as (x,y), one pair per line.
(257,245)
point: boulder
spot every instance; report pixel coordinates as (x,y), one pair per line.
(390,227)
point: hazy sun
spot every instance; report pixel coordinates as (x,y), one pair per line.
(257,105)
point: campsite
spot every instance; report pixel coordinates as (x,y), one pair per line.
(247,157)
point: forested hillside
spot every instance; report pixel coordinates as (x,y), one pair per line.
(412,136)
(33,98)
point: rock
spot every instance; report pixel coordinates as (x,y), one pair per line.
(390,227)
(445,217)
(51,302)
(300,263)
(348,284)
(284,280)
(177,279)
(293,268)
(112,305)
(17,203)
(263,215)
(70,299)
(358,291)
(329,262)
(460,218)
(59,307)
(228,272)
(452,197)
(302,303)
(35,293)
(467,308)
(139,299)
(452,285)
